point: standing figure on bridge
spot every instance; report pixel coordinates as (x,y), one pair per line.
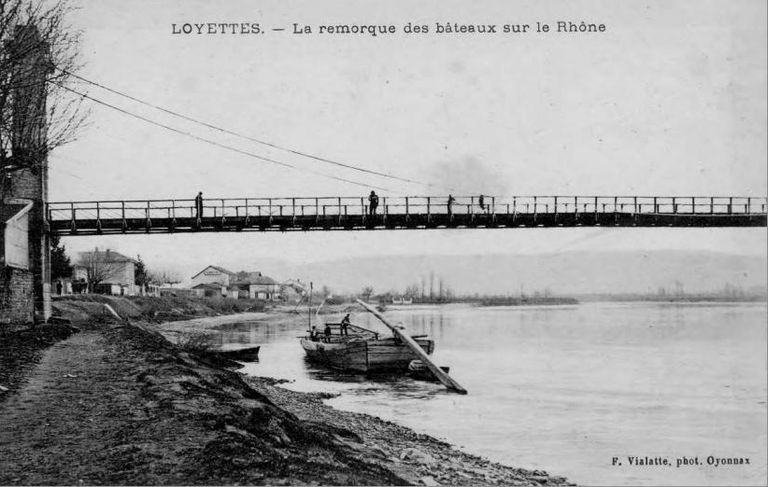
(451,200)
(373,201)
(199,205)
(481,201)
(344,324)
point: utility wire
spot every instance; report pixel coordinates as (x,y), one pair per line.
(252,139)
(213,142)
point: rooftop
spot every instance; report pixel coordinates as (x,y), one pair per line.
(104,256)
(9,211)
(264,280)
(220,269)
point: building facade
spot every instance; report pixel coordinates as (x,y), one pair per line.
(213,275)
(240,285)
(254,285)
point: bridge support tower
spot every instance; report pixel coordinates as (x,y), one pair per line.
(25,293)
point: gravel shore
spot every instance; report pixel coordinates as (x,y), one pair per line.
(418,458)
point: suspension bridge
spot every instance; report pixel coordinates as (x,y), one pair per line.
(354,213)
(409,212)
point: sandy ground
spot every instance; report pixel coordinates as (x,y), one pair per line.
(117,403)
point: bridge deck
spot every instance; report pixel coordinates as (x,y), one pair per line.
(340,213)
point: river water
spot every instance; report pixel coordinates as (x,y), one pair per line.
(567,389)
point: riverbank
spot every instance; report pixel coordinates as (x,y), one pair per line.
(417,458)
(118,403)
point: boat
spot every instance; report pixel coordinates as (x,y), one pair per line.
(362,350)
(250,354)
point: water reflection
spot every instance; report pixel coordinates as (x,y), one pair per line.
(398,385)
(257,332)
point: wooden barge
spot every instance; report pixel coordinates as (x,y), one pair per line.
(362,350)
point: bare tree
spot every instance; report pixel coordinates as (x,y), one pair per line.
(99,267)
(163,276)
(367,293)
(39,54)
(412,291)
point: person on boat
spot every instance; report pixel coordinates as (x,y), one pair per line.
(313,333)
(327,332)
(344,324)
(451,200)
(373,201)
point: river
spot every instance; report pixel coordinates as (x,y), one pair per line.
(568,388)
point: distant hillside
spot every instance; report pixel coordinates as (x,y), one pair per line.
(562,273)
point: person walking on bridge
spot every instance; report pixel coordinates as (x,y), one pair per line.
(373,203)
(199,204)
(451,200)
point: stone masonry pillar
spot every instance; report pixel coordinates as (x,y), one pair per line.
(29,147)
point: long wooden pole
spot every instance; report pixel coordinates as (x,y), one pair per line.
(398,331)
(309,309)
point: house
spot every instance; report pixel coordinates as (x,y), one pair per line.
(106,272)
(214,281)
(213,274)
(254,285)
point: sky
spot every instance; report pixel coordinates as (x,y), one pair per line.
(669,100)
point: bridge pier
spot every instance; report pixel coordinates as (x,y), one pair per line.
(25,283)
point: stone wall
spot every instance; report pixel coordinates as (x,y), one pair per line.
(16,297)
(29,184)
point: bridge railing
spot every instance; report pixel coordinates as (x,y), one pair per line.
(407,205)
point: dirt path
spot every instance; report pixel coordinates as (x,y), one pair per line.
(61,426)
